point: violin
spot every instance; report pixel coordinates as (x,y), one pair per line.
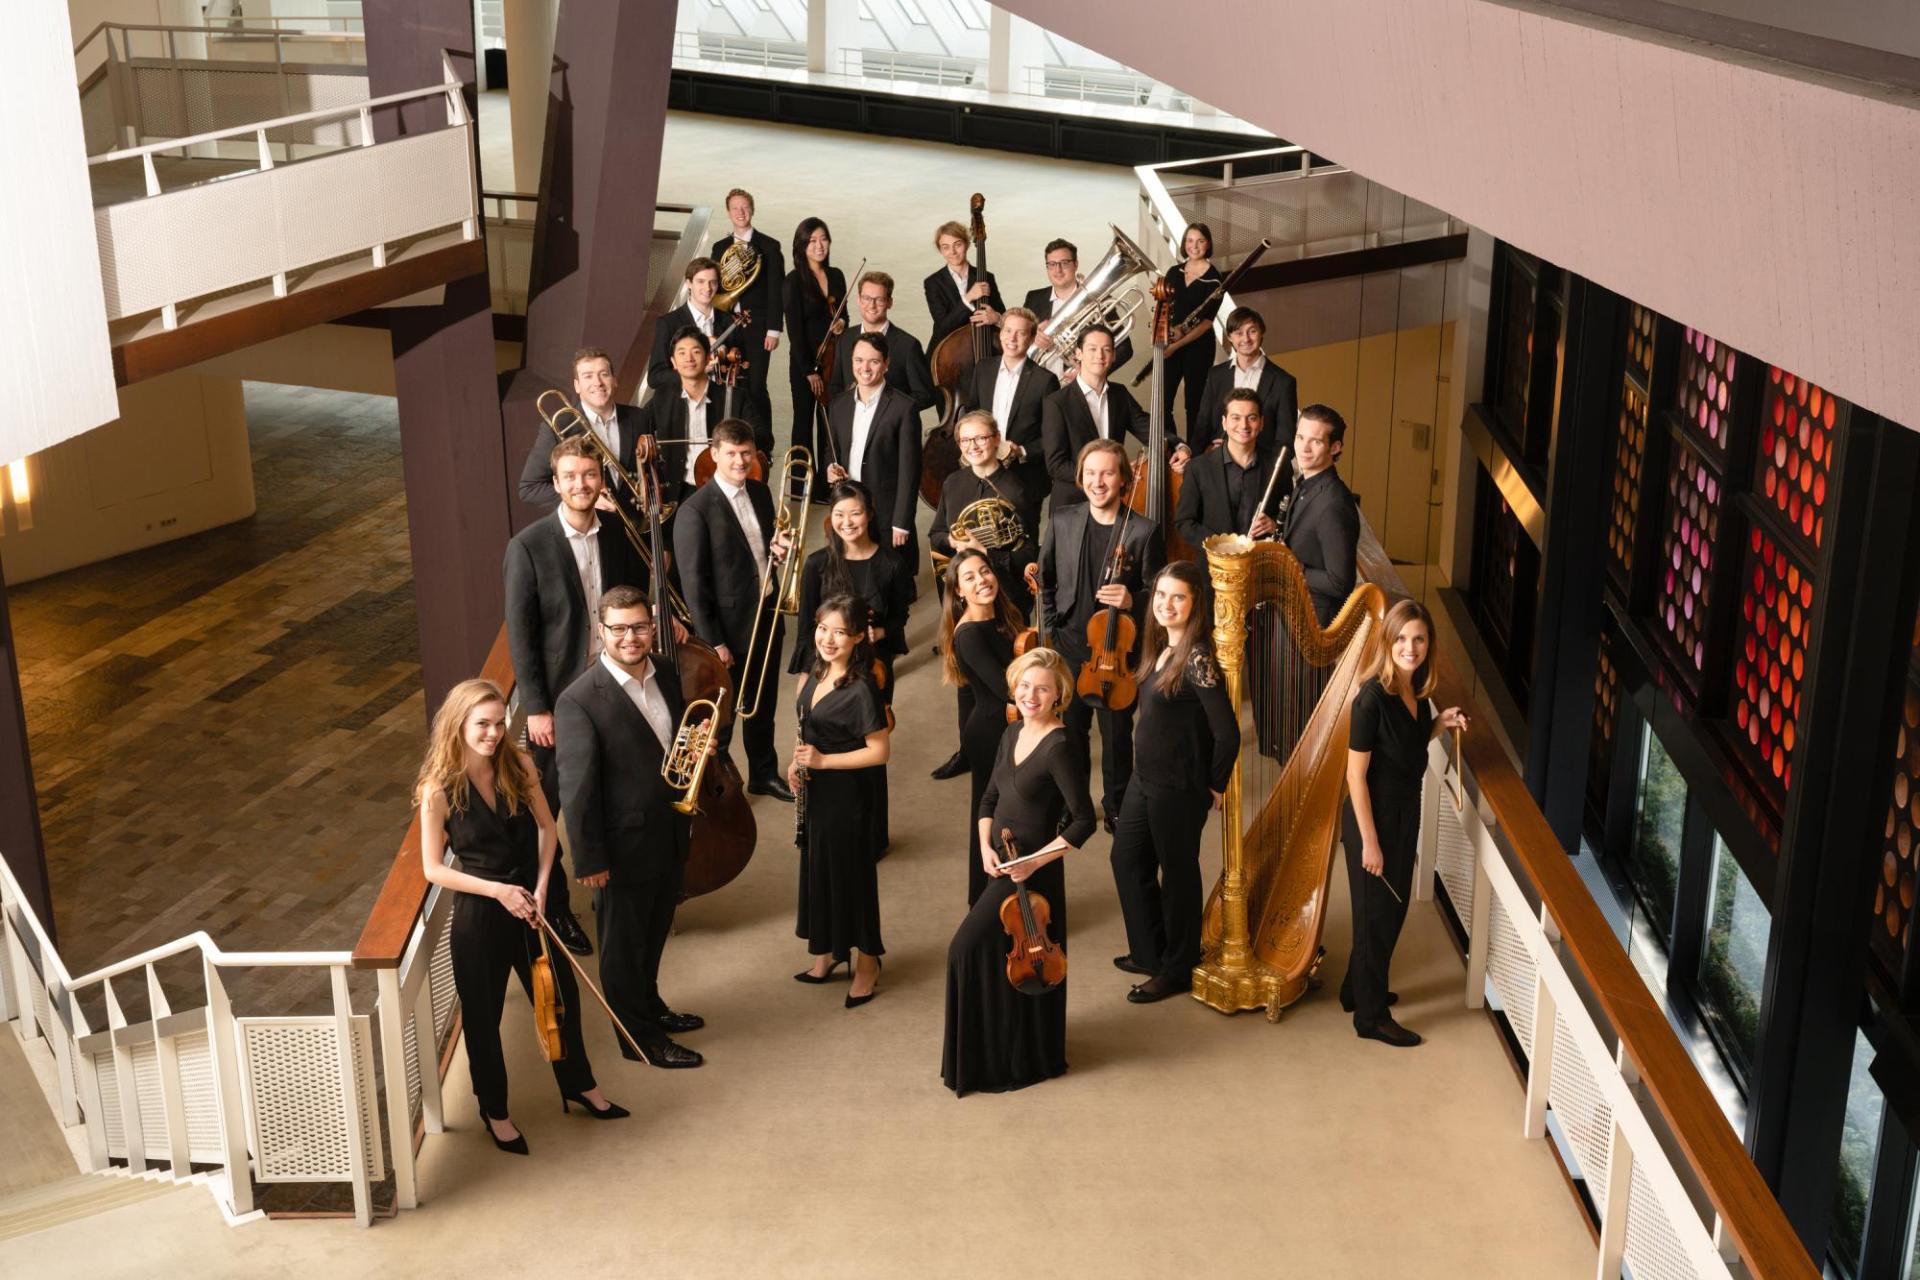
(725,370)
(1106,677)
(951,363)
(827,357)
(1033,636)
(1036,964)
(549,1009)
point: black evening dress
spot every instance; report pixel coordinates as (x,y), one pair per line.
(839,891)
(1397,740)
(1191,363)
(998,1039)
(983,652)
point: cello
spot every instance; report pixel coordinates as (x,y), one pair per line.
(1155,492)
(1036,964)
(952,362)
(1106,677)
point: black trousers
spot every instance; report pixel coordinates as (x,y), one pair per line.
(1377,917)
(1116,736)
(559,903)
(1156,868)
(635,915)
(488,944)
(807,430)
(763,761)
(1187,369)
(751,398)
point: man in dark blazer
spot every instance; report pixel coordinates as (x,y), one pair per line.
(906,359)
(1073,560)
(1246,366)
(556,571)
(1092,407)
(1323,519)
(703,282)
(617,721)
(1063,281)
(616,425)
(876,440)
(759,338)
(1225,486)
(723,539)
(1014,390)
(959,291)
(688,411)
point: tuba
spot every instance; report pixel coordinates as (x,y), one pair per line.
(739,268)
(1099,300)
(686,761)
(780,584)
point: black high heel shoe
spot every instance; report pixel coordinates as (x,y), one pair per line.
(516,1146)
(612,1111)
(853,1001)
(808,976)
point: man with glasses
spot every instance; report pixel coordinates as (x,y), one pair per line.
(906,359)
(1063,281)
(557,571)
(616,723)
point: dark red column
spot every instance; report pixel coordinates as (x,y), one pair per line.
(20,839)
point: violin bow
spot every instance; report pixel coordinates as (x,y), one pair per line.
(541,922)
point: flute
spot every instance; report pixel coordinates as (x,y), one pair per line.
(1272,479)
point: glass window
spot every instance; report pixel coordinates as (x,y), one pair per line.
(1859,1147)
(1733,960)
(1660,816)
(1911,1269)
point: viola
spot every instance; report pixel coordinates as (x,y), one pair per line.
(549,1009)
(951,363)
(1106,677)
(1036,964)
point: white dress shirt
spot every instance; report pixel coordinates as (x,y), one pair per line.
(1097,405)
(960,283)
(863,411)
(644,690)
(585,546)
(1249,378)
(704,319)
(749,521)
(1004,386)
(696,426)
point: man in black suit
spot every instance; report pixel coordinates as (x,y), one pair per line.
(684,416)
(876,440)
(906,359)
(1247,367)
(1015,389)
(703,282)
(1092,407)
(1224,487)
(1063,281)
(959,294)
(724,540)
(1074,561)
(616,723)
(616,425)
(1323,519)
(759,338)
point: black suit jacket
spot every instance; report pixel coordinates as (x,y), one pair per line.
(907,370)
(1040,302)
(1279,404)
(547,623)
(617,807)
(1205,508)
(961,490)
(665,418)
(891,467)
(945,305)
(1066,425)
(763,300)
(660,374)
(807,316)
(1022,427)
(718,576)
(1066,602)
(1323,531)
(536,473)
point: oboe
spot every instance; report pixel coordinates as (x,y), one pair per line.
(800,792)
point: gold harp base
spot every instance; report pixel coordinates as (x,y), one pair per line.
(1241,987)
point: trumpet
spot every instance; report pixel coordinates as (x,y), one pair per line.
(739,268)
(780,583)
(686,762)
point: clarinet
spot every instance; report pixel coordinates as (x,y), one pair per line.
(800,792)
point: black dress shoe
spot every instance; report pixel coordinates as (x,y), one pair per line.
(1126,965)
(668,1055)
(671,1021)
(1387,1031)
(513,1147)
(815,979)
(571,935)
(612,1111)
(1346,1000)
(1154,989)
(775,787)
(952,767)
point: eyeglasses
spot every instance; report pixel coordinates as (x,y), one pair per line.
(621,630)
(1062,262)
(967,440)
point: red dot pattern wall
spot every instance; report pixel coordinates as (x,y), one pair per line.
(1629,453)
(1705,389)
(1793,463)
(1770,658)
(1689,550)
(1606,719)
(1893,890)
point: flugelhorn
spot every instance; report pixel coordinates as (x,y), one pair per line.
(1099,300)
(780,582)
(686,762)
(739,268)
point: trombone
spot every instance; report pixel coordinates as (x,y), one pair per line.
(780,582)
(686,762)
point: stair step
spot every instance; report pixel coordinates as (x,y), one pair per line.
(71,1199)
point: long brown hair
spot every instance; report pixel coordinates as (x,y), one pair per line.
(1388,672)
(1199,636)
(445,765)
(835,578)
(1005,615)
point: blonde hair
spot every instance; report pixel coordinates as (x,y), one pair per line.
(1114,447)
(976,415)
(953,229)
(445,765)
(1021,313)
(1399,617)
(1054,663)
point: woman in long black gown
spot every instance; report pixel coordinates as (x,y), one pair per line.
(842,736)
(977,631)
(809,295)
(997,1038)
(480,795)
(1392,723)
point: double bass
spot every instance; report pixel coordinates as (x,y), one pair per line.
(1155,492)
(952,363)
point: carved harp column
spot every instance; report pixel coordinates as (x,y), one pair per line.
(1230,564)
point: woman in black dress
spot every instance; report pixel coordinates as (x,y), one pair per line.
(480,796)
(1192,280)
(842,736)
(977,632)
(809,295)
(997,1038)
(1186,738)
(1392,723)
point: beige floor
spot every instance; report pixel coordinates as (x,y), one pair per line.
(820,1141)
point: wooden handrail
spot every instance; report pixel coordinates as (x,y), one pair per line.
(383,940)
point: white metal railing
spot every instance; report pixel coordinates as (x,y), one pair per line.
(154,251)
(1115,88)
(917,68)
(1577,1072)
(753,51)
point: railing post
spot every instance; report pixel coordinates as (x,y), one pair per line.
(173,1103)
(394,1016)
(366,140)
(131,1123)
(1613,1222)
(224,1044)
(357,1153)
(266,165)
(1479,931)
(1540,1061)
(61,1038)
(427,1043)
(1428,848)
